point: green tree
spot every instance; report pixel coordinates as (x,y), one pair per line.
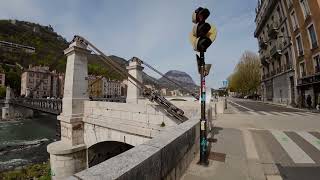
(246,76)
(2,92)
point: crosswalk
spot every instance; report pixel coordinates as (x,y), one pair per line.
(275,113)
(287,147)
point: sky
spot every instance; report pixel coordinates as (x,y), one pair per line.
(156,31)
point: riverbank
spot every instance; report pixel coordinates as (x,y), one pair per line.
(35,171)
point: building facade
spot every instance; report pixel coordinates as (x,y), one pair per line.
(39,82)
(305,34)
(100,87)
(288,33)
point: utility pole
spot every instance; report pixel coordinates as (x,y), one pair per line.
(202,36)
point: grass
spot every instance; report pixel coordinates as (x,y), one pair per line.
(35,171)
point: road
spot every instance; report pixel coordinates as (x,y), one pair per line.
(280,142)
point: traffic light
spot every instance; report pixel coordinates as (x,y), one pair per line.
(203,34)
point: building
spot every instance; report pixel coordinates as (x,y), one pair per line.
(101,87)
(163,91)
(277,52)
(305,33)
(39,82)
(96,86)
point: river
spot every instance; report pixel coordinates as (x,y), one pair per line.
(24,141)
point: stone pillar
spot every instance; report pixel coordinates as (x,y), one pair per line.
(68,156)
(6,114)
(135,70)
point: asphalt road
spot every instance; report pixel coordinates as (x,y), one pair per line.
(286,141)
(250,105)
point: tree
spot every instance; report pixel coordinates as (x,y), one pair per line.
(2,92)
(246,76)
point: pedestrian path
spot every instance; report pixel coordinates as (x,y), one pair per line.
(288,148)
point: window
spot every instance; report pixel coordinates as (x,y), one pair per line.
(299,45)
(305,8)
(302,70)
(294,20)
(312,36)
(317,63)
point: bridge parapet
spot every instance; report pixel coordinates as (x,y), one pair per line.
(106,121)
(166,156)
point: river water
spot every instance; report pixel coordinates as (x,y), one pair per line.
(25,141)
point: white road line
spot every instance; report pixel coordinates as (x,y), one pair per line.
(290,113)
(263,112)
(310,139)
(249,145)
(241,106)
(252,113)
(293,150)
(278,113)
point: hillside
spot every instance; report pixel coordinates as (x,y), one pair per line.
(179,77)
(49,47)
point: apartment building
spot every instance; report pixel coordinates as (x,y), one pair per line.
(39,82)
(276,52)
(305,33)
(100,87)
(96,87)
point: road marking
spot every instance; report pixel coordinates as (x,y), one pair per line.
(249,145)
(241,106)
(293,150)
(252,113)
(310,139)
(290,113)
(278,113)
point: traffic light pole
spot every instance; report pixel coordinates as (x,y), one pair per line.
(203,121)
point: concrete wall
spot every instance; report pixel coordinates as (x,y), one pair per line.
(166,156)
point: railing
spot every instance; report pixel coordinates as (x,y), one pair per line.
(53,106)
(276,50)
(273,30)
(119,99)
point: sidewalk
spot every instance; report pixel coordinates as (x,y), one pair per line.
(228,159)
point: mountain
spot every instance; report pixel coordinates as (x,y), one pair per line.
(179,77)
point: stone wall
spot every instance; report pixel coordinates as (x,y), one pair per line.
(166,156)
(128,123)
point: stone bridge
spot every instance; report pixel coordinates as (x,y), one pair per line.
(109,140)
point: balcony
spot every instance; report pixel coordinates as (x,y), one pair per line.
(263,45)
(276,51)
(273,31)
(309,80)
(264,57)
